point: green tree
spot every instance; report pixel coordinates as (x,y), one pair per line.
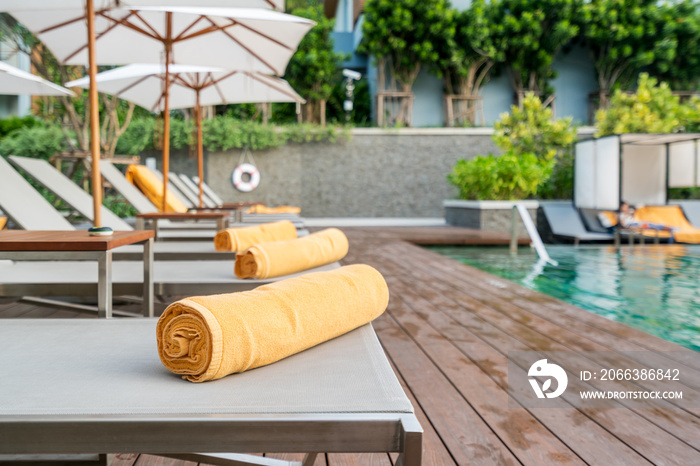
(467,57)
(403,36)
(314,68)
(624,36)
(530,34)
(681,29)
(651,109)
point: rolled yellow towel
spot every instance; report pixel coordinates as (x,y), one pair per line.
(283,209)
(238,239)
(209,337)
(279,258)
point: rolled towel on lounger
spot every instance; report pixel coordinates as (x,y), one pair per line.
(239,239)
(263,209)
(209,337)
(279,258)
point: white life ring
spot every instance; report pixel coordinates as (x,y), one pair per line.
(253,175)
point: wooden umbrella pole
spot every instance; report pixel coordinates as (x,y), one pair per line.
(94,117)
(166,108)
(200,151)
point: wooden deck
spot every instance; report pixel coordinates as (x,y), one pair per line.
(447,333)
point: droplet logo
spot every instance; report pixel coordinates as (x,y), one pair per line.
(542,368)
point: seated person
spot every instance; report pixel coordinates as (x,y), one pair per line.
(626,219)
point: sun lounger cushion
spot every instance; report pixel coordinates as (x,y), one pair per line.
(208,337)
(671,216)
(3,221)
(149,184)
(291,256)
(239,239)
(283,209)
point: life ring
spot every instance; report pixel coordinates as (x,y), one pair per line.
(253,177)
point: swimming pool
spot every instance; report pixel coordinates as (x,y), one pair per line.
(653,288)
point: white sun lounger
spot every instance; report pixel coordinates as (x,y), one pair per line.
(88,386)
(30,211)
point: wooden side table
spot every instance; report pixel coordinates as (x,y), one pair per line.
(150,220)
(80,246)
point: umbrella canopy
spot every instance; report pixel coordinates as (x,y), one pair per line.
(251,39)
(191,86)
(9,5)
(241,38)
(143,84)
(14,81)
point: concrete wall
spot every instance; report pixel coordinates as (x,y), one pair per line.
(377,173)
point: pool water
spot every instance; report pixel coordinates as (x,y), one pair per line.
(652,288)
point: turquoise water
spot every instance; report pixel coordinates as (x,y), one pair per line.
(652,288)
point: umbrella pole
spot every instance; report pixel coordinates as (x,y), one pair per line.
(166,110)
(94,118)
(200,152)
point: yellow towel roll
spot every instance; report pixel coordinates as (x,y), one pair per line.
(209,337)
(295,255)
(149,184)
(283,209)
(238,239)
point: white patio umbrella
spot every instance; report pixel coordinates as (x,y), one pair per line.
(14,81)
(87,9)
(240,38)
(191,86)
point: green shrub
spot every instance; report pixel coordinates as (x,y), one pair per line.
(37,141)
(505,177)
(532,130)
(651,109)
(118,205)
(8,125)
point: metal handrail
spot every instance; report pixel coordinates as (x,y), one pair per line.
(531,231)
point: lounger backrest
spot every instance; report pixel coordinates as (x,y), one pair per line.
(208,191)
(195,189)
(173,189)
(175,180)
(691,209)
(130,192)
(563,220)
(24,205)
(591,221)
(59,184)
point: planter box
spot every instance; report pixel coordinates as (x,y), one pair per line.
(487,215)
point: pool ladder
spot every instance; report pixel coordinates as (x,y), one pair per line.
(520,209)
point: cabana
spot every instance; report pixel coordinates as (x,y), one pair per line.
(636,168)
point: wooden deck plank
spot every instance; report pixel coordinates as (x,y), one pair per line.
(434,451)
(448,411)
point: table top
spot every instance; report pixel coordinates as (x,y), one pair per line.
(22,240)
(185,215)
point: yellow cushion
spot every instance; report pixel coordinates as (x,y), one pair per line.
(3,222)
(671,216)
(283,209)
(149,184)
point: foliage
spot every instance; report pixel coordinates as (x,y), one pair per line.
(406,34)
(222,133)
(118,205)
(315,66)
(529,34)
(8,125)
(505,177)
(537,157)
(624,36)
(681,30)
(37,141)
(531,129)
(468,55)
(651,109)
